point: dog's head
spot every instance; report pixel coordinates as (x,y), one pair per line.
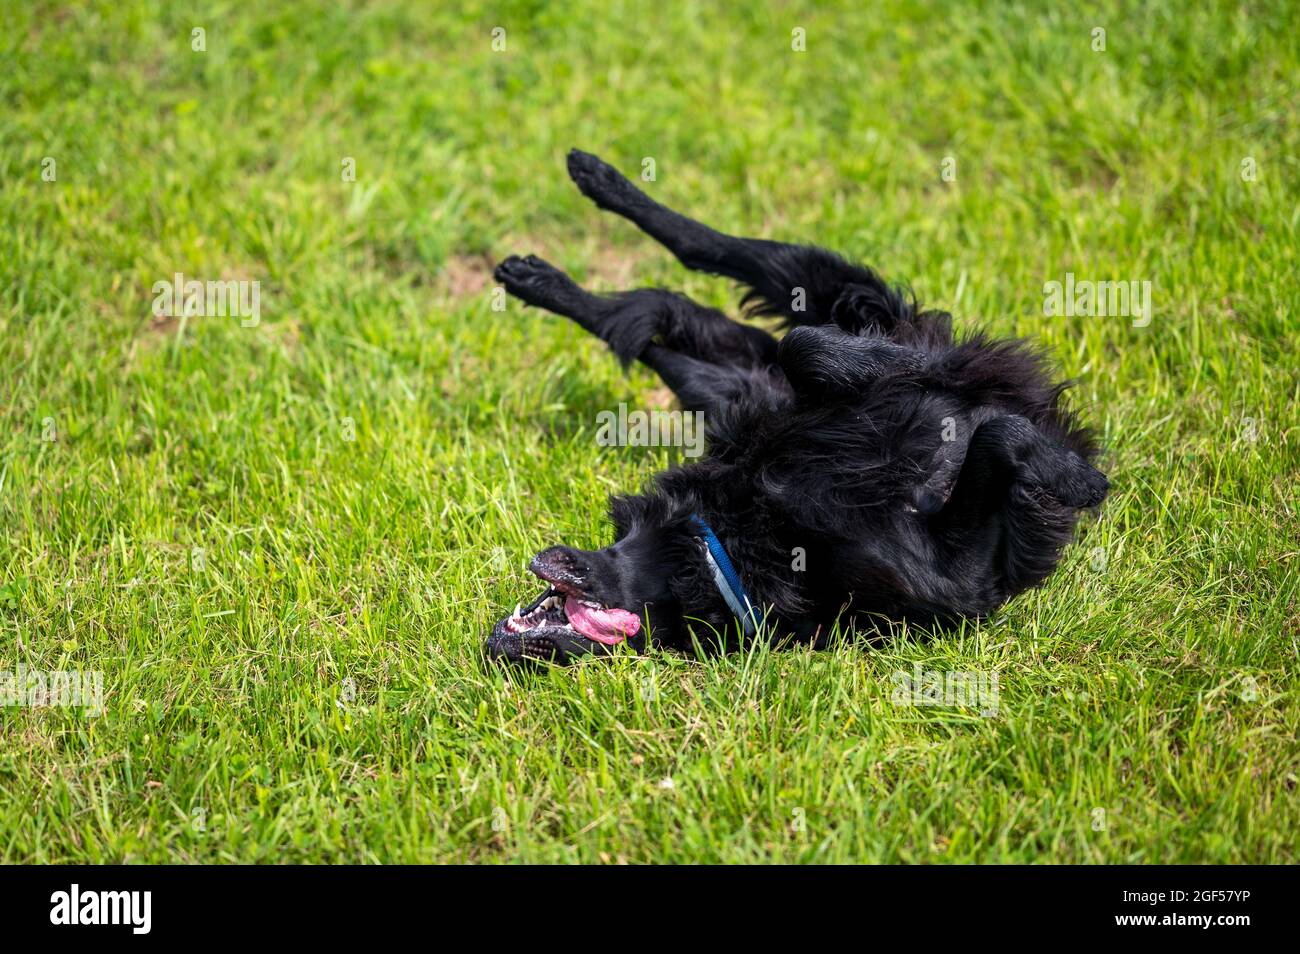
(594,600)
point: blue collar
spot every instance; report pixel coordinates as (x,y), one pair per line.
(727,579)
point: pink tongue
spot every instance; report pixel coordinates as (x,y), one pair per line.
(608,626)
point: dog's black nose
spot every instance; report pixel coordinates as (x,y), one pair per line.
(561,565)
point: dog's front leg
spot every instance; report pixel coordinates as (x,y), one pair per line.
(1014,503)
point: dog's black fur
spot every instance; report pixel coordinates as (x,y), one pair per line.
(922,478)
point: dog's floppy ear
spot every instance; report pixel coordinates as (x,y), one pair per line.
(821,360)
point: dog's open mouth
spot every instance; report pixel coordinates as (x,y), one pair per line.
(561,622)
(605,624)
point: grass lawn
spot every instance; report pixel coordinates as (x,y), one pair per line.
(281,544)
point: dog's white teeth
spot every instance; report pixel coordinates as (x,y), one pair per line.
(516,612)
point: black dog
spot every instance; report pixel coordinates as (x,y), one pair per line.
(865,468)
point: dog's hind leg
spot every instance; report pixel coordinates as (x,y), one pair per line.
(803,284)
(630,322)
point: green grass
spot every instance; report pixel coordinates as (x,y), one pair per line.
(309,686)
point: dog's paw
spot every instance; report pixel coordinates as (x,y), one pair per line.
(1086,488)
(528,278)
(1067,477)
(600,182)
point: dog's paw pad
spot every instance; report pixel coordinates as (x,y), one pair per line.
(531,279)
(516,269)
(507,268)
(598,180)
